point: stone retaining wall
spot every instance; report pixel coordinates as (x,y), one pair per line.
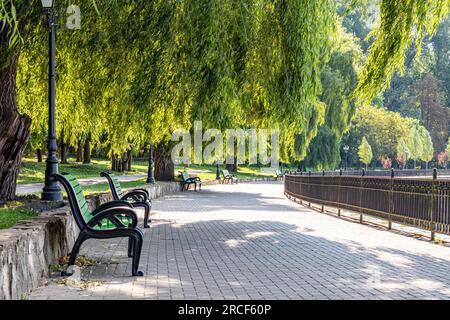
(29,248)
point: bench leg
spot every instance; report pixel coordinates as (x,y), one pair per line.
(130,247)
(137,248)
(73,254)
(147,207)
(146,218)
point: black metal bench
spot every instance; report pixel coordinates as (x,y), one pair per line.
(188,180)
(138,198)
(114,219)
(229,177)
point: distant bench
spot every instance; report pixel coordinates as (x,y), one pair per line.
(279,175)
(228,177)
(188,180)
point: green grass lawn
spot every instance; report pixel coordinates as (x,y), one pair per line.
(10,216)
(33,172)
(104,187)
(210,171)
(209,174)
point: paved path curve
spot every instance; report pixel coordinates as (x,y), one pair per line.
(247,241)
(29,188)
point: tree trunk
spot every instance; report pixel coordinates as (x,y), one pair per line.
(80,157)
(64,153)
(164,167)
(122,162)
(63,149)
(232,167)
(113,163)
(87,151)
(129,160)
(14,130)
(39,155)
(118,163)
(144,152)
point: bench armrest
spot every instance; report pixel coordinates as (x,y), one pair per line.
(111,204)
(111,214)
(136,195)
(143,190)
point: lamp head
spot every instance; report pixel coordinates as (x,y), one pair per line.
(48,4)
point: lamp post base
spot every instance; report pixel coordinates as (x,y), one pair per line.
(53,194)
(217,171)
(51,190)
(150,176)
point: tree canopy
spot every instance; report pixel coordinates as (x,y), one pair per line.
(137,70)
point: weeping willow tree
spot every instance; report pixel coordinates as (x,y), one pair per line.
(339,80)
(137,70)
(402,22)
(251,63)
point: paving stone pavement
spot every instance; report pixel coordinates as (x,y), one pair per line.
(247,241)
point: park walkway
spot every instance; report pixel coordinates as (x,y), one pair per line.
(247,241)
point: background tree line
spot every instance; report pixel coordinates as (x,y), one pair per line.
(138,70)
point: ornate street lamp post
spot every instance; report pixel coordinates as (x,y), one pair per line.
(150,175)
(346,149)
(51,189)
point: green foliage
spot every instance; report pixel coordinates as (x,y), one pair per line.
(358,18)
(401,23)
(441,46)
(385,130)
(419,143)
(137,70)
(200,61)
(403,153)
(365,152)
(339,79)
(323,153)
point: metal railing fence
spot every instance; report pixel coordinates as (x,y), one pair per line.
(422,203)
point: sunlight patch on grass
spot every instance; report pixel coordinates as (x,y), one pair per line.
(32,171)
